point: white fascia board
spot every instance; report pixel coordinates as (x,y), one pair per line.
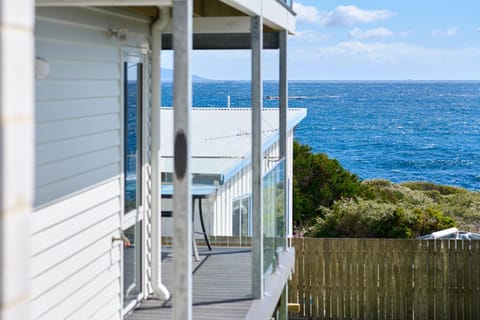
(112,3)
(275,15)
(218,25)
(250,7)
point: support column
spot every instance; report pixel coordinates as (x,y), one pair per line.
(16,154)
(257,198)
(283,100)
(283,139)
(182,196)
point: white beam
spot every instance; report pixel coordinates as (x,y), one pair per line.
(182,196)
(16,155)
(275,15)
(257,159)
(112,3)
(218,25)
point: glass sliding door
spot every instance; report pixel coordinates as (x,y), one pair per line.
(132,217)
(132,266)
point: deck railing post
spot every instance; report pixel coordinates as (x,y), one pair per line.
(283,139)
(182,199)
(257,198)
(283,106)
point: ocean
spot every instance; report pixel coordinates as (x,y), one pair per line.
(400,131)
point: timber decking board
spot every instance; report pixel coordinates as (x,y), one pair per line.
(221,286)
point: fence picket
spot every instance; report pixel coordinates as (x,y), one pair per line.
(451,295)
(475,283)
(389,282)
(301,280)
(409,253)
(460,256)
(293,289)
(314,278)
(334,283)
(422,299)
(321,281)
(371,279)
(417,286)
(347,252)
(433,290)
(307,274)
(355,281)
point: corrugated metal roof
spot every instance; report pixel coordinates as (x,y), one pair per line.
(221,137)
(210,165)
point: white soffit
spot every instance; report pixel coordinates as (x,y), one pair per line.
(113,3)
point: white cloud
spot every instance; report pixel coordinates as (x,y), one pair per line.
(376,60)
(445,33)
(392,53)
(344,16)
(306,13)
(310,36)
(405,33)
(360,34)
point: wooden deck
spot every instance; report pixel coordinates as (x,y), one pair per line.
(221,286)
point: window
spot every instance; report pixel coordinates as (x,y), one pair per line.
(132,134)
(242,217)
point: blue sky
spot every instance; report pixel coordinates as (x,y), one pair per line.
(367,40)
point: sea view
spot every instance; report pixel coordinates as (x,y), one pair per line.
(400,131)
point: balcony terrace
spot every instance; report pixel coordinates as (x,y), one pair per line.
(222,284)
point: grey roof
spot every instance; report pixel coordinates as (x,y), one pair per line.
(221,137)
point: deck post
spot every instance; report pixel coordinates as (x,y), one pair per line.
(283,105)
(16,154)
(257,198)
(182,195)
(283,139)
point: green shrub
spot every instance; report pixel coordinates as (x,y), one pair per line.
(428,186)
(373,219)
(329,201)
(318,182)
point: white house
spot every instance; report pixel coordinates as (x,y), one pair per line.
(221,165)
(80,169)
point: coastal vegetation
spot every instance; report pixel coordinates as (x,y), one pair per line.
(329,201)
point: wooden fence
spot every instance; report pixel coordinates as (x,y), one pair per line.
(386,279)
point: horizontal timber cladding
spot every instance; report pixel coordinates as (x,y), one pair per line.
(386,279)
(75,267)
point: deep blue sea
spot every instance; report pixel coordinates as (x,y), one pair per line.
(400,131)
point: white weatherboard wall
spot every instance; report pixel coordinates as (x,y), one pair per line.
(75,268)
(223,149)
(218,207)
(240,185)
